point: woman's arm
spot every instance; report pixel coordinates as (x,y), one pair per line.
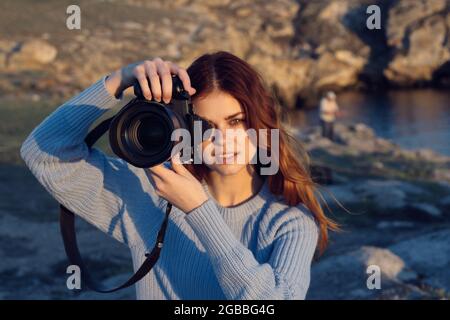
(107,192)
(89,183)
(286,274)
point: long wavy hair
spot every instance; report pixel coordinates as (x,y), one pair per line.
(228,73)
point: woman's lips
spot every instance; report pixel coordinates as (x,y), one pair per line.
(227,157)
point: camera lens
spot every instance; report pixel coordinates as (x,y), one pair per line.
(141,133)
(148,135)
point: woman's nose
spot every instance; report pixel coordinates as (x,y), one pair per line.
(224,139)
(219,136)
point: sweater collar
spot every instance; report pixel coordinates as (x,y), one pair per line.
(251,205)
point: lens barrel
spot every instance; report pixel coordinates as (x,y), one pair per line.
(141,132)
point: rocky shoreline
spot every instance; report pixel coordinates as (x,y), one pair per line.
(399,203)
(301,47)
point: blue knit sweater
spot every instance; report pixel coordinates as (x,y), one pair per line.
(260,249)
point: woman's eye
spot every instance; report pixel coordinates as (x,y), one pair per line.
(236,122)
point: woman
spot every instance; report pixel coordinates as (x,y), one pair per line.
(233,233)
(328,110)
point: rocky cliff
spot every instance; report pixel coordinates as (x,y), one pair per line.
(301,47)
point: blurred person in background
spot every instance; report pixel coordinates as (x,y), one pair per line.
(328,111)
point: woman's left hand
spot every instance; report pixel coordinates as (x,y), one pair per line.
(178,186)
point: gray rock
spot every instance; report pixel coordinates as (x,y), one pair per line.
(445,201)
(362,138)
(427,209)
(404,13)
(417,54)
(395,224)
(345,276)
(32,53)
(342,193)
(370,186)
(387,193)
(421,259)
(428,255)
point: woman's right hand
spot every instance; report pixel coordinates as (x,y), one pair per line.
(154,77)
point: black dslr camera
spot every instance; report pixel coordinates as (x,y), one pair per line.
(140,133)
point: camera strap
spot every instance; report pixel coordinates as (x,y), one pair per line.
(67,226)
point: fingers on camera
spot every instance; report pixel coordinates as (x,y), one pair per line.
(184,77)
(151,74)
(140,74)
(166,79)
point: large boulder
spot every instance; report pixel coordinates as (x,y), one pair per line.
(30,54)
(429,256)
(418,32)
(345,276)
(387,194)
(418,267)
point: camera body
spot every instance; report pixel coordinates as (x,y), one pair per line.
(141,132)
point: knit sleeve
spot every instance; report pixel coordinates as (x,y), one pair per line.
(284,276)
(100,189)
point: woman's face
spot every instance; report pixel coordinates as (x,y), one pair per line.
(229,149)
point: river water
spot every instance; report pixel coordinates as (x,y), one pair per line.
(412,118)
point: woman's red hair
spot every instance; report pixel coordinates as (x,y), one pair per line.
(228,73)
